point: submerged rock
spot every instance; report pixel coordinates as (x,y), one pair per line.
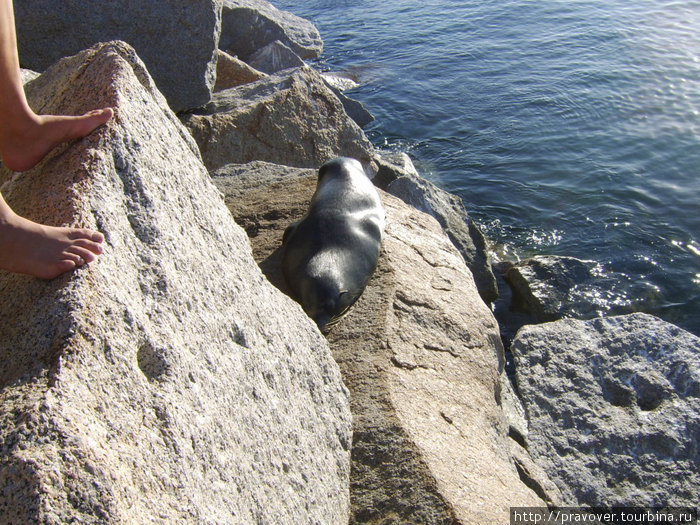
(614,409)
(291,118)
(231,72)
(420,353)
(356,110)
(449,210)
(545,286)
(177,43)
(249,25)
(169,380)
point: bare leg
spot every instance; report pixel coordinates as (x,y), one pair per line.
(25,138)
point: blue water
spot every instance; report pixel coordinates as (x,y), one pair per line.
(568,127)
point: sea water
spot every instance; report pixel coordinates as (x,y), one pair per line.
(568,127)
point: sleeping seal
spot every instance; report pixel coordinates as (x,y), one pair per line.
(329,255)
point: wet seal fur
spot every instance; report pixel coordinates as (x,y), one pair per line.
(330,254)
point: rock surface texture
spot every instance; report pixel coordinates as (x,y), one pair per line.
(614,409)
(169,382)
(249,25)
(292,118)
(177,41)
(419,353)
(404,182)
(355,109)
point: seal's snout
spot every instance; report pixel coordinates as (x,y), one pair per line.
(323,321)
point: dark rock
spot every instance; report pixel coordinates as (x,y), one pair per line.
(392,165)
(614,409)
(176,41)
(354,108)
(509,312)
(547,287)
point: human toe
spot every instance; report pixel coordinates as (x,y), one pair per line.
(88,238)
(81,255)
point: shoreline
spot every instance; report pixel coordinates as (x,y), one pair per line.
(620,210)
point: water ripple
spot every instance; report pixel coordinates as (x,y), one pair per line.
(570,128)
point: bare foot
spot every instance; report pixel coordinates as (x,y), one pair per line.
(22,149)
(45,251)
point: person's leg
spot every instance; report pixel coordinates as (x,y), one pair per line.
(25,138)
(43,251)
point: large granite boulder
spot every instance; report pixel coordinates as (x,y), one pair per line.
(614,409)
(403,181)
(420,354)
(176,40)
(249,25)
(169,381)
(291,118)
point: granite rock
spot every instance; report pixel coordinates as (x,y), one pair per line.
(231,72)
(392,165)
(176,41)
(291,118)
(449,210)
(420,354)
(551,287)
(249,25)
(614,409)
(169,381)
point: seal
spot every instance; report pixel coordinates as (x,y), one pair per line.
(330,254)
